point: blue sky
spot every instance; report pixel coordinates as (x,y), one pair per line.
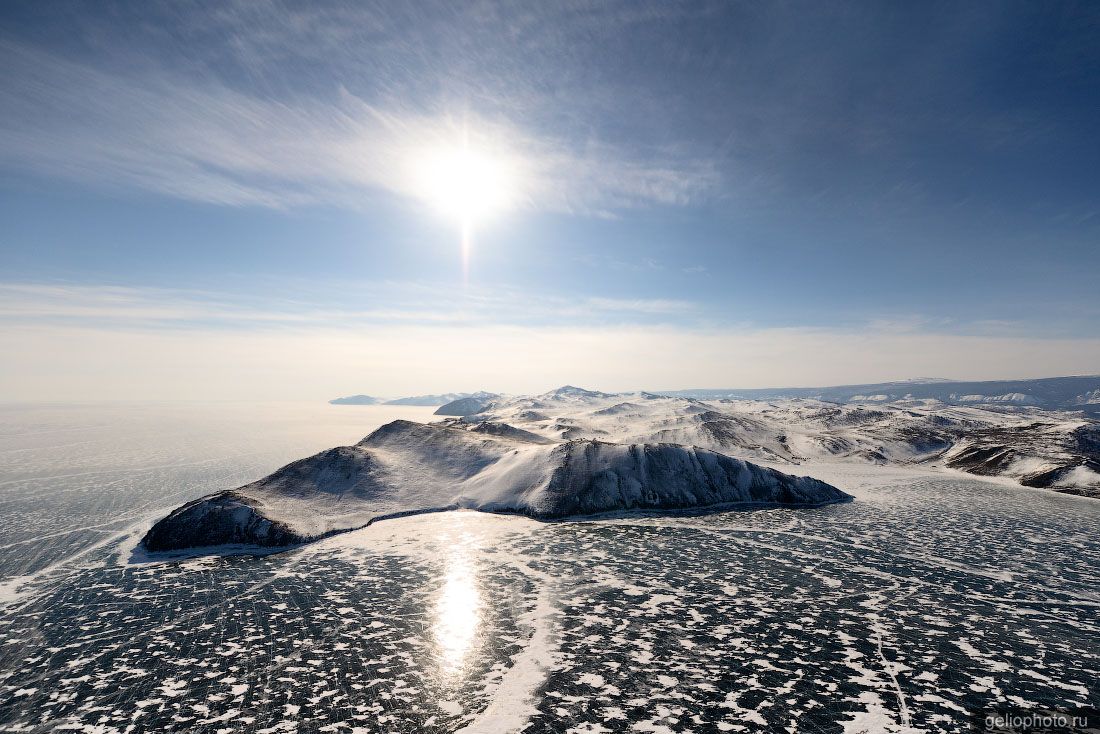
(705,194)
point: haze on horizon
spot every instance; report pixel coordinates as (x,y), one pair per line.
(276,200)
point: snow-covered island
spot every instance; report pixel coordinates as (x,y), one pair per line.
(574,452)
(405,468)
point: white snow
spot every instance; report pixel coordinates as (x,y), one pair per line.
(572,451)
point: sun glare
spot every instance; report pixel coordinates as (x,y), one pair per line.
(468,185)
(465,183)
(458,612)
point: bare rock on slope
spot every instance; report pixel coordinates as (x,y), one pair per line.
(407,467)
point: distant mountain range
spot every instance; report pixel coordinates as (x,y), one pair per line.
(421,400)
(1052,393)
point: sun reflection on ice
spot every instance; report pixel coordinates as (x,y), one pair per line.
(457,611)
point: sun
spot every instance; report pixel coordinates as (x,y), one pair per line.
(467,184)
(464,183)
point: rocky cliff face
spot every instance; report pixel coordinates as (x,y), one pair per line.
(592,477)
(222,519)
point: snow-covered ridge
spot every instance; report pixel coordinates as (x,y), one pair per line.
(999,437)
(574,452)
(407,467)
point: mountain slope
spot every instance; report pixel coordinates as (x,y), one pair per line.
(572,452)
(443,399)
(409,467)
(1039,448)
(465,406)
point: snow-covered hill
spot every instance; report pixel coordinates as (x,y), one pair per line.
(572,451)
(442,399)
(1039,448)
(407,467)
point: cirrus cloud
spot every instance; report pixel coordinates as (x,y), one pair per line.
(202,140)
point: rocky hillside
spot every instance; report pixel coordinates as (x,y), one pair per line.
(1039,448)
(407,467)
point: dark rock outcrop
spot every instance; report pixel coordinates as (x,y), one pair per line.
(227,518)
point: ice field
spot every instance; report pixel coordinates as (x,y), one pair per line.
(929,597)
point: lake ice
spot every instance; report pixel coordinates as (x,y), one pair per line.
(931,596)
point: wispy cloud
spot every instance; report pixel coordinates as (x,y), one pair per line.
(286,304)
(201,139)
(385,303)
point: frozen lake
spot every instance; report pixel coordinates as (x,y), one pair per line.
(930,597)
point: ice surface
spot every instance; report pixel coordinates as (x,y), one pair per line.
(931,596)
